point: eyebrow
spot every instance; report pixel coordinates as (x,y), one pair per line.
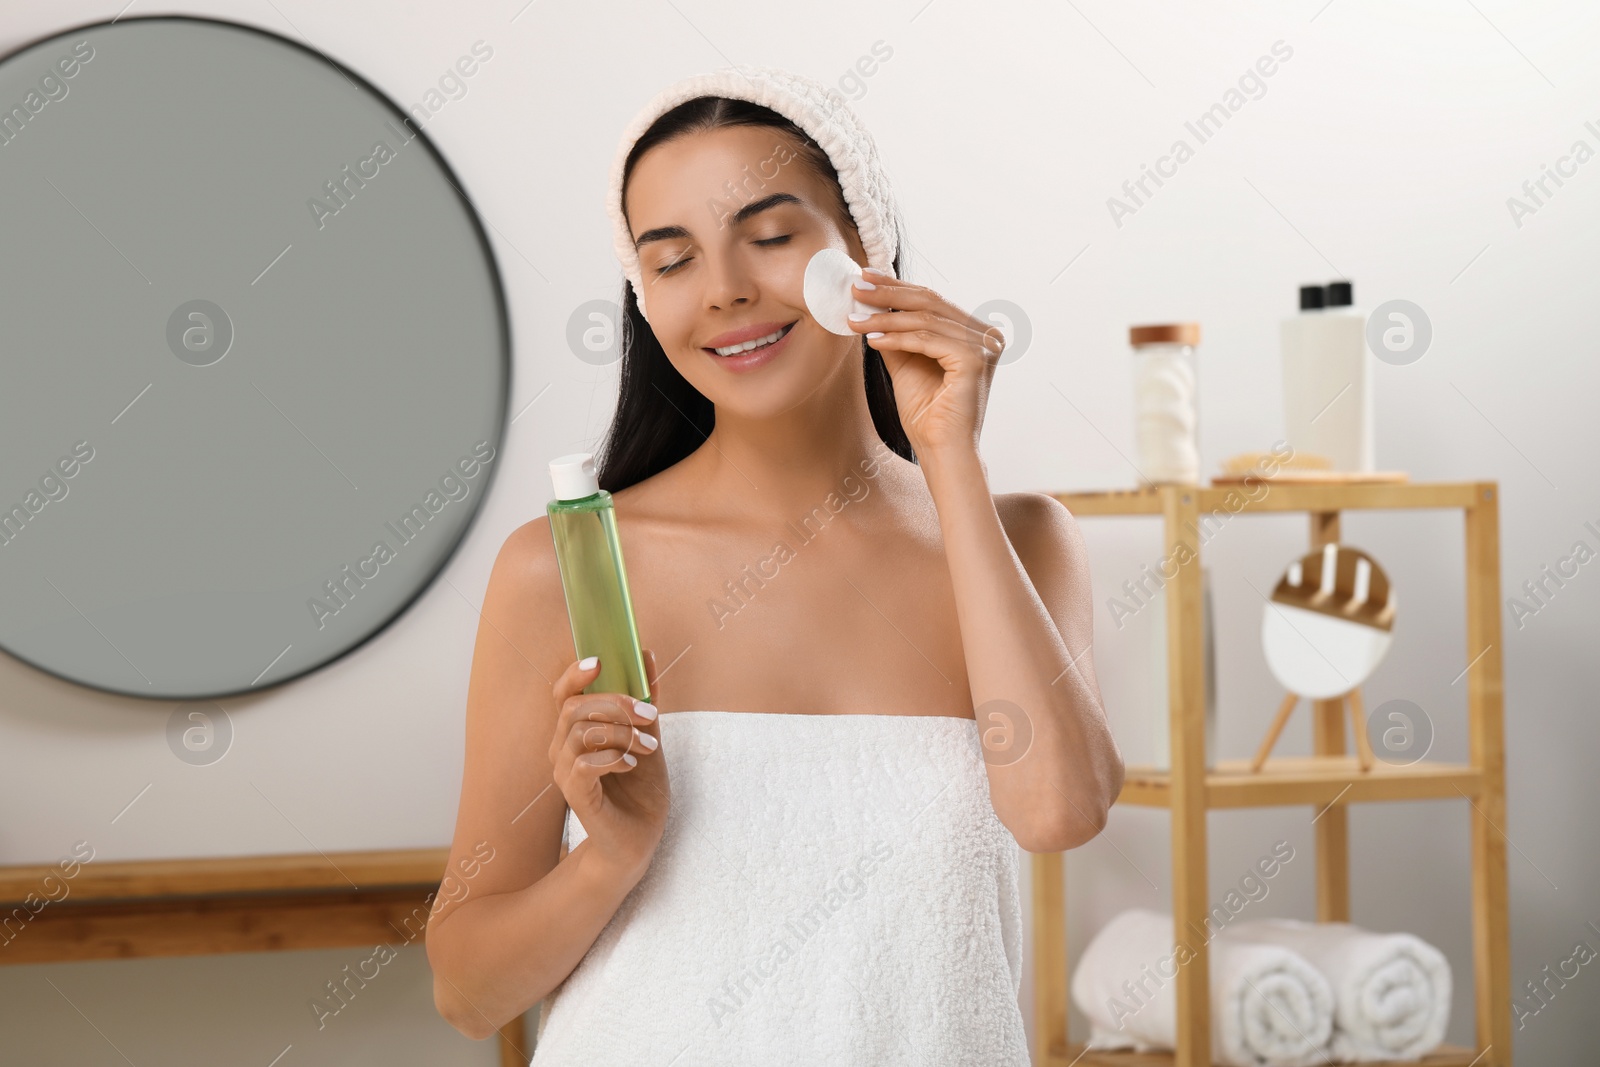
(755,207)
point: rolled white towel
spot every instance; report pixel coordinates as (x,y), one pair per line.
(1391,991)
(1269,1006)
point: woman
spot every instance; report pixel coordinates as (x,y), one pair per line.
(805,852)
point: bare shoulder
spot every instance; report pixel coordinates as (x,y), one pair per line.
(524,620)
(662,516)
(1040,528)
(663,497)
(527,559)
(1045,535)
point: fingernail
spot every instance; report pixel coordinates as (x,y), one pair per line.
(646,711)
(588,663)
(628,758)
(874,333)
(858,316)
(864,284)
(646,742)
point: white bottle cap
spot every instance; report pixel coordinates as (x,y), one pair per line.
(574,476)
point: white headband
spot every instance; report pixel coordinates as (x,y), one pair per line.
(820,111)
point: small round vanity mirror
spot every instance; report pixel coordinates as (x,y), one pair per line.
(254,363)
(1329,622)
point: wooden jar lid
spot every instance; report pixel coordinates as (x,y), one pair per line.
(1182,333)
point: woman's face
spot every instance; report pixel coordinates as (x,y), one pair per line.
(726,221)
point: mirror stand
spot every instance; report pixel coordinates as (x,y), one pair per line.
(1358,718)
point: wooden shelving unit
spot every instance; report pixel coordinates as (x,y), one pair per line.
(133,909)
(1328,780)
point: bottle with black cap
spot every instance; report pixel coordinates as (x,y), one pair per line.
(1327,378)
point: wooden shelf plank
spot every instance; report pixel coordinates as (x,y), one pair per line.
(1279,497)
(1443,1056)
(204,925)
(143,879)
(1316,780)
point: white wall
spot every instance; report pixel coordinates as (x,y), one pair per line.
(1383,150)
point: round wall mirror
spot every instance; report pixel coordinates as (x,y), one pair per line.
(254,362)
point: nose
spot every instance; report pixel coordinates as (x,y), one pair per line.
(729,284)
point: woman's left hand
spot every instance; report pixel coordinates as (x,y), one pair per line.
(940,358)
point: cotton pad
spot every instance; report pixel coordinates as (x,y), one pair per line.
(829,277)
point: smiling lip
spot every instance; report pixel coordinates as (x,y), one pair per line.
(748,333)
(756,357)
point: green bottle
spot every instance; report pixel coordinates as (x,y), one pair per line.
(583,523)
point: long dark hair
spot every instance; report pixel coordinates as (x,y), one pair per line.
(661,418)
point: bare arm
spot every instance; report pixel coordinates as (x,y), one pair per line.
(1024,609)
(1027,618)
(506,930)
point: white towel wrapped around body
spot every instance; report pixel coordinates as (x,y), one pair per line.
(1269,1006)
(828,889)
(1391,991)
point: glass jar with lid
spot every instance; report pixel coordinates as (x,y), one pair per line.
(1166,406)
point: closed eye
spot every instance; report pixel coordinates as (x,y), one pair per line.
(670,267)
(675,264)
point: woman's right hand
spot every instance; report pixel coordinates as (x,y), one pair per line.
(622,804)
